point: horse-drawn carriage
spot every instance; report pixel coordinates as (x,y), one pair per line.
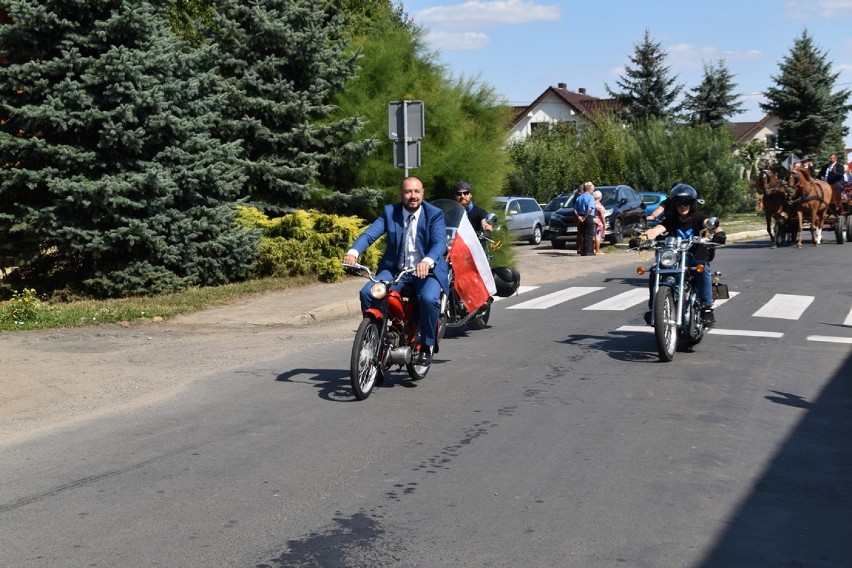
(800,203)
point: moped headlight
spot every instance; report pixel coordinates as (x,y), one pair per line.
(668,258)
(378,290)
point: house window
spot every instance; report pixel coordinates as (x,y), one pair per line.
(771,141)
(534,126)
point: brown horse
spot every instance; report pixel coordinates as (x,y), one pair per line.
(812,197)
(774,202)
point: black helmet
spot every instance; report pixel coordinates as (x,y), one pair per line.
(684,193)
(461,186)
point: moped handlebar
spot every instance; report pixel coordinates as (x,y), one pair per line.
(367,273)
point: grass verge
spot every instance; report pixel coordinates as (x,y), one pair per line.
(26,311)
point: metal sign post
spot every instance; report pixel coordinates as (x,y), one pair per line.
(790,160)
(406,127)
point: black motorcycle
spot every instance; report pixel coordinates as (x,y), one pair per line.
(454,314)
(676,312)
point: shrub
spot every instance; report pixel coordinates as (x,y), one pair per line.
(305,243)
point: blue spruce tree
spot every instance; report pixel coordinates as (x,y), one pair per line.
(112,184)
(281,63)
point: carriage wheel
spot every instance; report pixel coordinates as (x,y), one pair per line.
(848,228)
(840,229)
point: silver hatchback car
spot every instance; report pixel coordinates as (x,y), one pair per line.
(522,217)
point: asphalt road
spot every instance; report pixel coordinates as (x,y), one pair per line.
(554,437)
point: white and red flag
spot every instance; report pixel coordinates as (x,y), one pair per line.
(473,279)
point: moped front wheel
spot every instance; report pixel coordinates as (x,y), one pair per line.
(364,365)
(665,325)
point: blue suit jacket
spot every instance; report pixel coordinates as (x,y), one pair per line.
(431,238)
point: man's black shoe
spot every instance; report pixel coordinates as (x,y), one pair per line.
(425,357)
(709,318)
(648,317)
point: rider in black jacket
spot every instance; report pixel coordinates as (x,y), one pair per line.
(477,216)
(686,223)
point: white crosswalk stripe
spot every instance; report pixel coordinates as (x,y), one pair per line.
(520,290)
(830,339)
(550,300)
(621,301)
(848,321)
(784,306)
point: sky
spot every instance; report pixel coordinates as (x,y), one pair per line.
(522,47)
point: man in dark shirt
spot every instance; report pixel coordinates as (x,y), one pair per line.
(687,222)
(477,216)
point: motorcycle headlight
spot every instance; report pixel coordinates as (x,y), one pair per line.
(668,258)
(378,290)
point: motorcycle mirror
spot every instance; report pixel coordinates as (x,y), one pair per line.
(491,218)
(711,223)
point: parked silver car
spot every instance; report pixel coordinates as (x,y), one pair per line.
(522,217)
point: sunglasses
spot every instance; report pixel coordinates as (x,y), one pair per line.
(459,193)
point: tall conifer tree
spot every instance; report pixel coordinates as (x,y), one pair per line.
(811,112)
(281,62)
(647,91)
(713,101)
(111,184)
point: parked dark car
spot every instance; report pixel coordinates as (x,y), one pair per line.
(625,211)
(554,204)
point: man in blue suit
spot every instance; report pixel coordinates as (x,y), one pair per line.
(425,253)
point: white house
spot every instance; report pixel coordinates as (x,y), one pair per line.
(558,104)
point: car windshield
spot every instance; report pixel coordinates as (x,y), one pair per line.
(607,198)
(650,199)
(608,194)
(557,203)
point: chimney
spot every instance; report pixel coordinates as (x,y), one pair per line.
(562,86)
(582,90)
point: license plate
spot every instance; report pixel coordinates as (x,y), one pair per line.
(570,229)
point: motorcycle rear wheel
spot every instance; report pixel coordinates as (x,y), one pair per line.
(665,326)
(415,371)
(364,365)
(480,319)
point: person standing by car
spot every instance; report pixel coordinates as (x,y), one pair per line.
(584,208)
(477,216)
(416,238)
(600,221)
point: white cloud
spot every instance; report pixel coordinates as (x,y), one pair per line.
(457,41)
(688,56)
(476,14)
(820,9)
